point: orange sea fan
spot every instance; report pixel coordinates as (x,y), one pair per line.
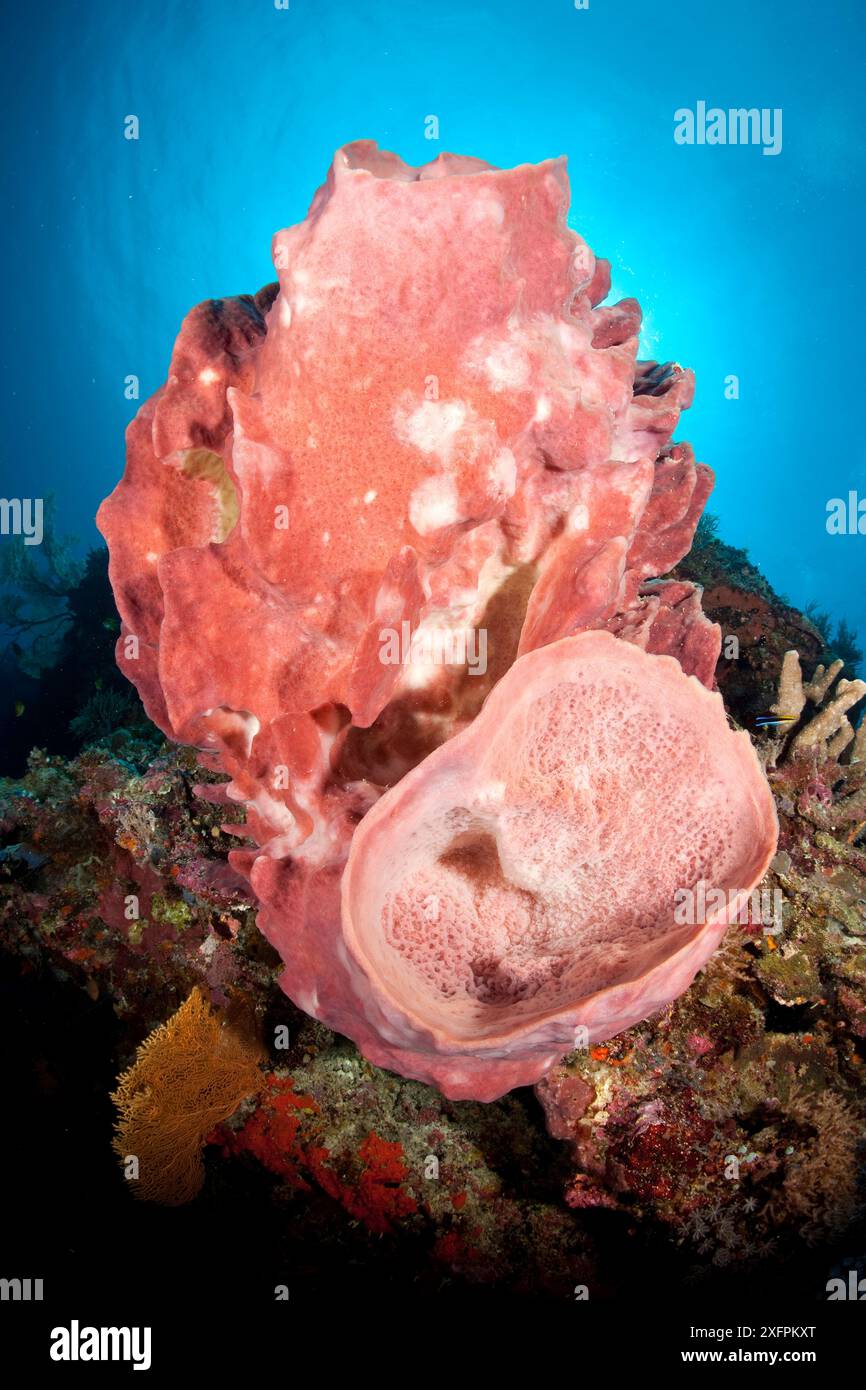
(189,1074)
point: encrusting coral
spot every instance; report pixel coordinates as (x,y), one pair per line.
(190,1074)
(433,423)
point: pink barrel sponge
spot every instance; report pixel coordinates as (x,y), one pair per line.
(433,428)
(520,883)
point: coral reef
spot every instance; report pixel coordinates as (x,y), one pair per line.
(738,1116)
(63,686)
(439,444)
(189,1074)
(722,1134)
(758,625)
(119,874)
(396,1158)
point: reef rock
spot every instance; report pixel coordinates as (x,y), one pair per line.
(434,428)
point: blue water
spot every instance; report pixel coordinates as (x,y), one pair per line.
(745,264)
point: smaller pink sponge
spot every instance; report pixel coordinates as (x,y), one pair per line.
(520,884)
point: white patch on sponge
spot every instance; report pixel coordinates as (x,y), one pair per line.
(432,427)
(433,504)
(507,367)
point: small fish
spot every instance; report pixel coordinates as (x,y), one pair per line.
(766,721)
(111,624)
(20,707)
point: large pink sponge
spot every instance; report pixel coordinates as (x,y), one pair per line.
(435,426)
(521,883)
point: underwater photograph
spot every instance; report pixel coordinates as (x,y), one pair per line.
(432,686)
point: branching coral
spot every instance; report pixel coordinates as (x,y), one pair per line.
(190,1074)
(812,742)
(828,726)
